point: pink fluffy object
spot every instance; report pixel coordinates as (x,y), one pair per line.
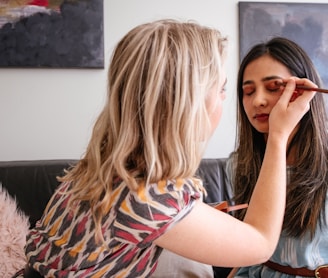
(14,226)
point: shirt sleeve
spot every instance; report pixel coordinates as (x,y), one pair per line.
(147,213)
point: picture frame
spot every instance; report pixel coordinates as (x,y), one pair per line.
(51,34)
(304,23)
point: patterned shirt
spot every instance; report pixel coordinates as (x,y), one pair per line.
(63,242)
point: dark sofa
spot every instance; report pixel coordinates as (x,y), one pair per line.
(32,183)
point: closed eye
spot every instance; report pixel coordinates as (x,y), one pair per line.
(273,85)
(248,89)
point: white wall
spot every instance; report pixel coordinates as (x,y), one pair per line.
(49,113)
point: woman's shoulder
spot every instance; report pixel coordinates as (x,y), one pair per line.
(177,187)
(176,192)
(155,207)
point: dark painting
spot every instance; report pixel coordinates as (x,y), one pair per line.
(304,23)
(55,34)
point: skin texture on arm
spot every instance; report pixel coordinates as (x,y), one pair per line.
(216,238)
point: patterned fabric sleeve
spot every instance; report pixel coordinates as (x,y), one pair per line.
(63,243)
(146,214)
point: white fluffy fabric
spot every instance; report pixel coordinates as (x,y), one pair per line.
(14,227)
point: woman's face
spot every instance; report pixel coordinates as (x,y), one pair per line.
(260,92)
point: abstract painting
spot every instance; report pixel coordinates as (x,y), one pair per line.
(51,33)
(304,23)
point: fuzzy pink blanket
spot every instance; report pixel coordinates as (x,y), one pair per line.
(14,227)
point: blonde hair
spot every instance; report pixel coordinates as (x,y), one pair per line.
(155,123)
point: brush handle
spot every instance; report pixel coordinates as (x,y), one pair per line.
(320,90)
(302,87)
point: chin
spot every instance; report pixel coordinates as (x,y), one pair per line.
(262,130)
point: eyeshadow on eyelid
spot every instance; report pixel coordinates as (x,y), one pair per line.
(247,88)
(273,84)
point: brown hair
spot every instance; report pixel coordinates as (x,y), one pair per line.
(308,183)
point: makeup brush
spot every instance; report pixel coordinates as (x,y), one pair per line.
(306,88)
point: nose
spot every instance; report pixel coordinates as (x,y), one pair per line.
(260,98)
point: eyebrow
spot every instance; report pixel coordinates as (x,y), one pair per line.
(271,77)
(267,78)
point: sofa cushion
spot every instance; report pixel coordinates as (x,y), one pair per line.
(32,183)
(213,173)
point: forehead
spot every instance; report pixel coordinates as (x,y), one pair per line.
(265,66)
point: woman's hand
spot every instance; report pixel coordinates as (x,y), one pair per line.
(291,107)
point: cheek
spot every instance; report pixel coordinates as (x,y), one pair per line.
(216,111)
(275,99)
(247,106)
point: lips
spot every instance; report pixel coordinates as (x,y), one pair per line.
(261,117)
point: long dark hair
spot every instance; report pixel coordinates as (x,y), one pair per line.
(307,187)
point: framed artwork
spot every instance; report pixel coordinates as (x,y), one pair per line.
(304,23)
(51,33)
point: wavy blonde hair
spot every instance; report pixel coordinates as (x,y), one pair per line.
(154,124)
